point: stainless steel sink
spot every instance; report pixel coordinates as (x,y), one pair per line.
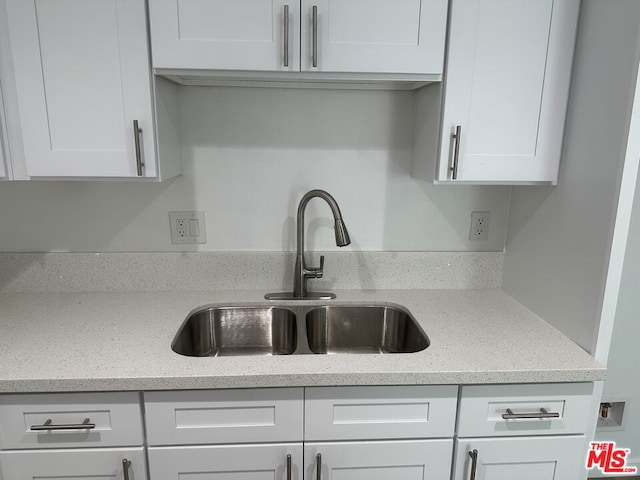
(364,329)
(301,329)
(225,331)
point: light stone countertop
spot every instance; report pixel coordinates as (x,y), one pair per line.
(53,342)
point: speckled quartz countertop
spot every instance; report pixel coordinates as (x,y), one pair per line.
(121,341)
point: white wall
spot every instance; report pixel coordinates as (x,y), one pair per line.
(249,155)
(624,355)
(557,250)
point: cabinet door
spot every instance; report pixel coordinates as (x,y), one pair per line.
(507,83)
(228,462)
(402,36)
(406,460)
(525,458)
(73,464)
(82,78)
(225,34)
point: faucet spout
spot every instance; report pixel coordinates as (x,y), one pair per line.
(342,236)
(302,272)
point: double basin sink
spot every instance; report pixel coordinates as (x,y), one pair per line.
(285,330)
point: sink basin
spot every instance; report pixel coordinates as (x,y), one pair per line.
(223,330)
(227,331)
(363,329)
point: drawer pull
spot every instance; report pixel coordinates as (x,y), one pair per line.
(318,466)
(125,468)
(289,467)
(543,413)
(48,425)
(474,463)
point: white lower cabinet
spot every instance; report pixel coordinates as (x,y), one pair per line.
(525,458)
(77,436)
(400,459)
(76,464)
(524,432)
(351,433)
(504,432)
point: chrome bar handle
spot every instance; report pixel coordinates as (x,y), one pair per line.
(542,414)
(289,467)
(318,466)
(136,138)
(456,153)
(474,463)
(315,35)
(286,35)
(126,464)
(320,270)
(49,425)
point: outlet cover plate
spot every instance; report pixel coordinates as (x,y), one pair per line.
(479,226)
(187,227)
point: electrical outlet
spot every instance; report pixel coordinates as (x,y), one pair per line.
(187,227)
(479,226)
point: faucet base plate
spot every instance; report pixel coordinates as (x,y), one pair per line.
(309,296)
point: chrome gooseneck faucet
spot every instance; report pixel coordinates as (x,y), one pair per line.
(302,272)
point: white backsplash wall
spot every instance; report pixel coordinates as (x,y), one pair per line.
(249,155)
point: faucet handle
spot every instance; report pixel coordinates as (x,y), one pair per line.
(319,271)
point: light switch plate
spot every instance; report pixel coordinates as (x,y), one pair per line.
(187,227)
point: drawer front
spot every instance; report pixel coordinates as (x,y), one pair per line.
(116,420)
(561,408)
(224,416)
(357,413)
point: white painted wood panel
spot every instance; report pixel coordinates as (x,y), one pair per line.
(117,418)
(527,458)
(406,460)
(14,166)
(405,36)
(82,77)
(3,140)
(224,34)
(507,81)
(73,464)
(358,413)
(224,416)
(225,462)
(482,407)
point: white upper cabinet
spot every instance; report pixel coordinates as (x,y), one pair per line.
(401,36)
(506,90)
(226,34)
(347,36)
(82,78)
